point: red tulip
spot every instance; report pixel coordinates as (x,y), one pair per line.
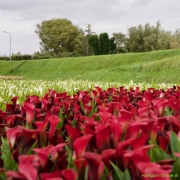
(102,143)
(12,135)
(159,106)
(26,168)
(69,174)
(54,120)
(51,176)
(96,167)
(29,112)
(81,166)
(73,134)
(107,156)
(80,145)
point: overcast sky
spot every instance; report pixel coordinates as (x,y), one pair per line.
(19,17)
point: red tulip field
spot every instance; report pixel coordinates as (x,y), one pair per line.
(112,134)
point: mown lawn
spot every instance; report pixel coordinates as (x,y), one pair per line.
(156,66)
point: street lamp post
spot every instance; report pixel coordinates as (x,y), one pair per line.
(10,43)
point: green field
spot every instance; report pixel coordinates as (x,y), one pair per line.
(156,66)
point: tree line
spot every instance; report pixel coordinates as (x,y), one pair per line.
(19,56)
(150,38)
(61,38)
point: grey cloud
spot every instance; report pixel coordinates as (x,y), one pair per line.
(39,10)
(18,5)
(141,3)
(21,16)
(79,12)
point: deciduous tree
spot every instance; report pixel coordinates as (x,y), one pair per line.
(120,40)
(59,35)
(175,41)
(86,48)
(135,39)
(148,38)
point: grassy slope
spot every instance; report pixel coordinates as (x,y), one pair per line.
(159,66)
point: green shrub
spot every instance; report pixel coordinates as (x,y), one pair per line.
(16,57)
(35,57)
(68,54)
(19,57)
(26,57)
(4,58)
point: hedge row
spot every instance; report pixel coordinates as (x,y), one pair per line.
(41,57)
(4,58)
(19,57)
(24,57)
